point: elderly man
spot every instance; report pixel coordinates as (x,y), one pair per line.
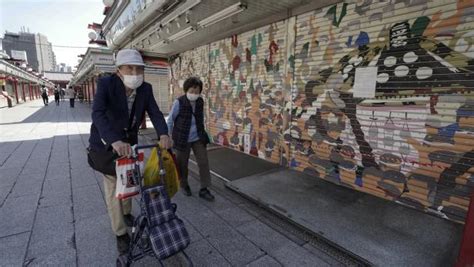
(119,108)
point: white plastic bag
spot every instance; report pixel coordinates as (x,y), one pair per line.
(127,178)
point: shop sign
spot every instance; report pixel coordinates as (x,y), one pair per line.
(19,55)
(104,59)
(126,19)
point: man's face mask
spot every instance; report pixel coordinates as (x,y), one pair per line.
(132,76)
(132,81)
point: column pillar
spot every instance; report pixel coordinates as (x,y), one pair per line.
(85,92)
(93,85)
(89,90)
(15,88)
(23,90)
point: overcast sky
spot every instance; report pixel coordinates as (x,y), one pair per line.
(64,22)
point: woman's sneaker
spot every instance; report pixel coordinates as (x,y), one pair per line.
(187,191)
(206,194)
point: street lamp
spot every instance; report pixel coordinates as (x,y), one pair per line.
(92,35)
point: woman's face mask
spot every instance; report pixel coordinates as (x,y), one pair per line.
(192,97)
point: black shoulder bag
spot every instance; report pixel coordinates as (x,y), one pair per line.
(104,160)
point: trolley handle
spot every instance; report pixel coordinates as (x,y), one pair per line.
(136,147)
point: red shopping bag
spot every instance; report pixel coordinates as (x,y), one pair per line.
(127,176)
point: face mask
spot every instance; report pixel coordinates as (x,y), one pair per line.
(192,97)
(132,81)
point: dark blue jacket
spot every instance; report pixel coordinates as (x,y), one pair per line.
(110,112)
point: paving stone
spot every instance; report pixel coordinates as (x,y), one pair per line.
(16,161)
(15,220)
(34,171)
(57,170)
(294,255)
(102,262)
(275,244)
(13,249)
(83,177)
(95,240)
(8,184)
(88,202)
(265,261)
(7,149)
(60,185)
(20,156)
(63,257)
(323,256)
(39,161)
(232,214)
(193,233)
(177,260)
(78,166)
(55,200)
(40,153)
(4,191)
(53,230)
(26,187)
(203,254)
(59,159)
(51,218)
(252,209)
(235,247)
(205,221)
(263,236)
(9,174)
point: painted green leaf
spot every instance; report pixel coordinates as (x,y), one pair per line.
(419,26)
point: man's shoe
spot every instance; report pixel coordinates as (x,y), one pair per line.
(129,219)
(206,194)
(123,244)
(187,191)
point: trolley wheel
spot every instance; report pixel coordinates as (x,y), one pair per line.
(122,261)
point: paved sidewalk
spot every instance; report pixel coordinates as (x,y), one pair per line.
(52,211)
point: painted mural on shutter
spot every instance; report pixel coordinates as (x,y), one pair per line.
(412,143)
(249,87)
(191,63)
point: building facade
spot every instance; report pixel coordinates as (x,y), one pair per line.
(44,50)
(22,41)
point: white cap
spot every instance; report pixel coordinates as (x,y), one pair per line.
(128,57)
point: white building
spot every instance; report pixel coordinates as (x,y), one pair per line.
(44,51)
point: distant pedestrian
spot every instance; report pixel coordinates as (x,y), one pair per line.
(62,92)
(56,96)
(71,95)
(44,95)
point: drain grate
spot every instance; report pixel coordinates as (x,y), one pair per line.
(332,253)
